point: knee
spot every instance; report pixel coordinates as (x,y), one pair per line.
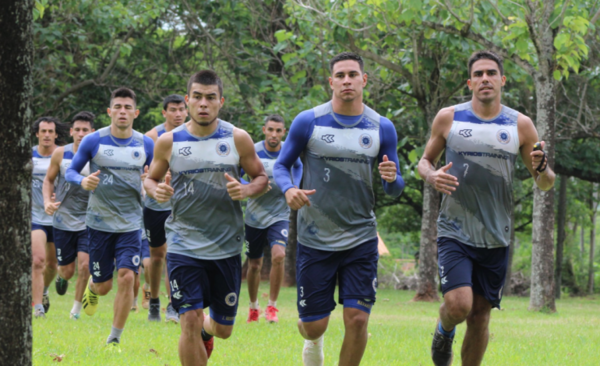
(254,265)
(157,255)
(103,288)
(313,333)
(126,278)
(84,268)
(277,258)
(191,323)
(357,321)
(458,311)
(52,263)
(224,332)
(38,262)
(478,319)
(67,272)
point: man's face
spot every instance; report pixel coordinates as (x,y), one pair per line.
(274,132)
(46,134)
(122,112)
(485,80)
(79,130)
(347,81)
(175,114)
(204,103)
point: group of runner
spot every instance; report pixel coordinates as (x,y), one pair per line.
(89,205)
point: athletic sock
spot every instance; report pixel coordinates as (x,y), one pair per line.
(115,333)
(273,303)
(135,301)
(254,305)
(205,336)
(76,307)
(39,307)
(449,334)
(312,354)
(155,301)
(46,290)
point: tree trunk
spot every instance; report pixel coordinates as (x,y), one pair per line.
(560,241)
(290,252)
(507,290)
(542,256)
(594,208)
(16,89)
(427,288)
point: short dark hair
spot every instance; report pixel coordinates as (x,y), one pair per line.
(84,116)
(485,55)
(123,92)
(206,77)
(62,130)
(274,118)
(347,56)
(173,98)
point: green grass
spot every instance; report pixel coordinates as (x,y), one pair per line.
(400,335)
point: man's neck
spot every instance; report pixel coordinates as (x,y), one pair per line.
(46,151)
(486,110)
(202,131)
(353,108)
(119,133)
(271,149)
(169,127)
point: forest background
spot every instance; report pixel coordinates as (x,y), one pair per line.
(273,58)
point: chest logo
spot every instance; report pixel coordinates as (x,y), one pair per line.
(365,141)
(328,138)
(136,155)
(185,151)
(223,148)
(109,152)
(465,133)
(503,136)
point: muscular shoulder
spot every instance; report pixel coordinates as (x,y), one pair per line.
(243,141)
(153,134)
(58,154)
(443,121)
(526,128)
(304,118)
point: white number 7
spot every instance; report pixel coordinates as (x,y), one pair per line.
(466,169)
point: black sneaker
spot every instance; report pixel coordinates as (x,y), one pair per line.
(61,285)
(46,303)
(441,348)
(154,312)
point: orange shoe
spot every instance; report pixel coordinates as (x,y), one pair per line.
(271,314)
(253,315)
(209,345)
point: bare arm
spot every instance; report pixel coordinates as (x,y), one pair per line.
(528,137)
(153,134)
(161,192)
(251,165)
(439,179)
(48,188)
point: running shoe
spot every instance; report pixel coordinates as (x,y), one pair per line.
(441,348)
(253,315)
(146,298)
(46,302)
(39,314)
(209,345)
(171,315)
(61,285)
(89,301)
(271,314)
(74,316)
(154,313)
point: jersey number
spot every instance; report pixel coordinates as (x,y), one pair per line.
(108,179)
(466,169)
(188,188)
(326,177)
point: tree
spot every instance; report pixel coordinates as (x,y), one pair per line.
(16,88)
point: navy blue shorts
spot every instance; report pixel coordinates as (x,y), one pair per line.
(257,239)
(482,269)
(48,229)
(318,271)
(198,284)
(145,252)
(154,221)
(108,248)
(68,244)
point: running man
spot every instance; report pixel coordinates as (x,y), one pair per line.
(155,215)
(50,132)
(337,231)
(117,155)
(205,230)
(482,139)
(69,208)
(267,222)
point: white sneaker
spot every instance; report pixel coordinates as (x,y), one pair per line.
(312,354)
(74,316)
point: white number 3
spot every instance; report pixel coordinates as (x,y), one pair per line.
(326,177)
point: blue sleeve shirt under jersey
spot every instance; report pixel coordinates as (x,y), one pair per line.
(40,167)
(271,207)
(73,199)
(116,204)
(340,154)
(150,202)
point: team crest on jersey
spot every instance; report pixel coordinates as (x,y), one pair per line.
(365,141)
(231,299)
(503,136)
(223,148)
(135,154)
(313,229)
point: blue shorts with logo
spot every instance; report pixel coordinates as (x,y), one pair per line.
(48,229)
(482,269)
(106,249)
(68,244)
(198,284)
(154,221)
(318,271)
(145,252)
(257,239)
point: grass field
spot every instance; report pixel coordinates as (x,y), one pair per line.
(400,335)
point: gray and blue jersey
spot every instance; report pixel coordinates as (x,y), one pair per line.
(115,206)
(340,154)
(73,199)
(483,155)
(40,167)
(271,207)
(150,202)
(205,223)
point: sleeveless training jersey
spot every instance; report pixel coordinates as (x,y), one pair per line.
(483,154)
(73,199)
(150,202)
(205,222)
(271,207)
(40,167)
